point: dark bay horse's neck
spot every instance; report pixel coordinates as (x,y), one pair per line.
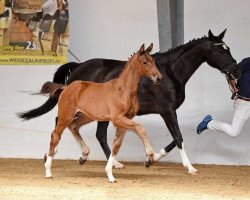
(129,78)
(188,61)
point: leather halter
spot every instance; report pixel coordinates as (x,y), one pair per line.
(230,78)
(225,67)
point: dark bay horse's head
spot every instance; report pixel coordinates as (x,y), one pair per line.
(219,56)
(145,64)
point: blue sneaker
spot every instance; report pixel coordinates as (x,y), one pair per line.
(203,125)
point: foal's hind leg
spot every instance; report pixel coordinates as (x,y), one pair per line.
(66,112)
(55,138)
(79,120)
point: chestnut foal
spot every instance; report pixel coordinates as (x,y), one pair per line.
(115,100)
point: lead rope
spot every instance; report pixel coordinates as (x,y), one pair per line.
(71,53)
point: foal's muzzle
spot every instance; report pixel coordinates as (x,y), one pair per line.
(156,80)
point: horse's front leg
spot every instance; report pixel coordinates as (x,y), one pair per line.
(101,135)
(120,132)
(170,118)
(127,123)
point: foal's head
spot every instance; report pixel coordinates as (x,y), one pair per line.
(145,64)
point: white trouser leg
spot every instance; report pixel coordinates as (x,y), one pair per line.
(241,114)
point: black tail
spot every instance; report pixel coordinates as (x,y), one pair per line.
(46,107)
(63,72)
(61,76)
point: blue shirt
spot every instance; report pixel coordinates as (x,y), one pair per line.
(244,80)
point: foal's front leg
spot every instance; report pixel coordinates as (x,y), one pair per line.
(101,135)
(120,132)
(126,123)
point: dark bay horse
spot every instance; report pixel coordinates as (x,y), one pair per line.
(116,101)
(176,67)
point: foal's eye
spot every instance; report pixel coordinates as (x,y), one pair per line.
(144,62)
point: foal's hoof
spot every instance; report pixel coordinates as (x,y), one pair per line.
(113,181)
(147,163)
(192,171)
(82,161)
(118,165)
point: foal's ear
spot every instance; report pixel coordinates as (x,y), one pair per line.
(221,36)
(149,49)
(142,49)
(210,34)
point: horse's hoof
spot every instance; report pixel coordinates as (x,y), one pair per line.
(82,161)
(118,165)
(49,177)
(192,171)
(113,181)
(147,163)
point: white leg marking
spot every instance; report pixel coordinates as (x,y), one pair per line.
(118,165)
(186,162)
(108,169)
(158,156)
(48,165)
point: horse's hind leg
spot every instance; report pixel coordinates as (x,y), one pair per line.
(79,120)
(171,121)
(120,132)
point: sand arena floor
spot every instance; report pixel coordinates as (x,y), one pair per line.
(24,179)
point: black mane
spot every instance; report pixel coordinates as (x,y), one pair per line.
(173,50)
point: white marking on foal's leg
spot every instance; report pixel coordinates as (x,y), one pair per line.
(158,156)
(118,165)
(47,166)
(186,162)
(108,169)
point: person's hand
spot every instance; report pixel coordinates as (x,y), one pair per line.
(233,86)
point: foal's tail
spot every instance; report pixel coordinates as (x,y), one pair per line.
(52,89)
(61,77)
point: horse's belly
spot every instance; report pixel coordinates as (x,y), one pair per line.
(94,108)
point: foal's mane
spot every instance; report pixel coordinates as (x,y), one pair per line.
(127,63)
(191,42)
